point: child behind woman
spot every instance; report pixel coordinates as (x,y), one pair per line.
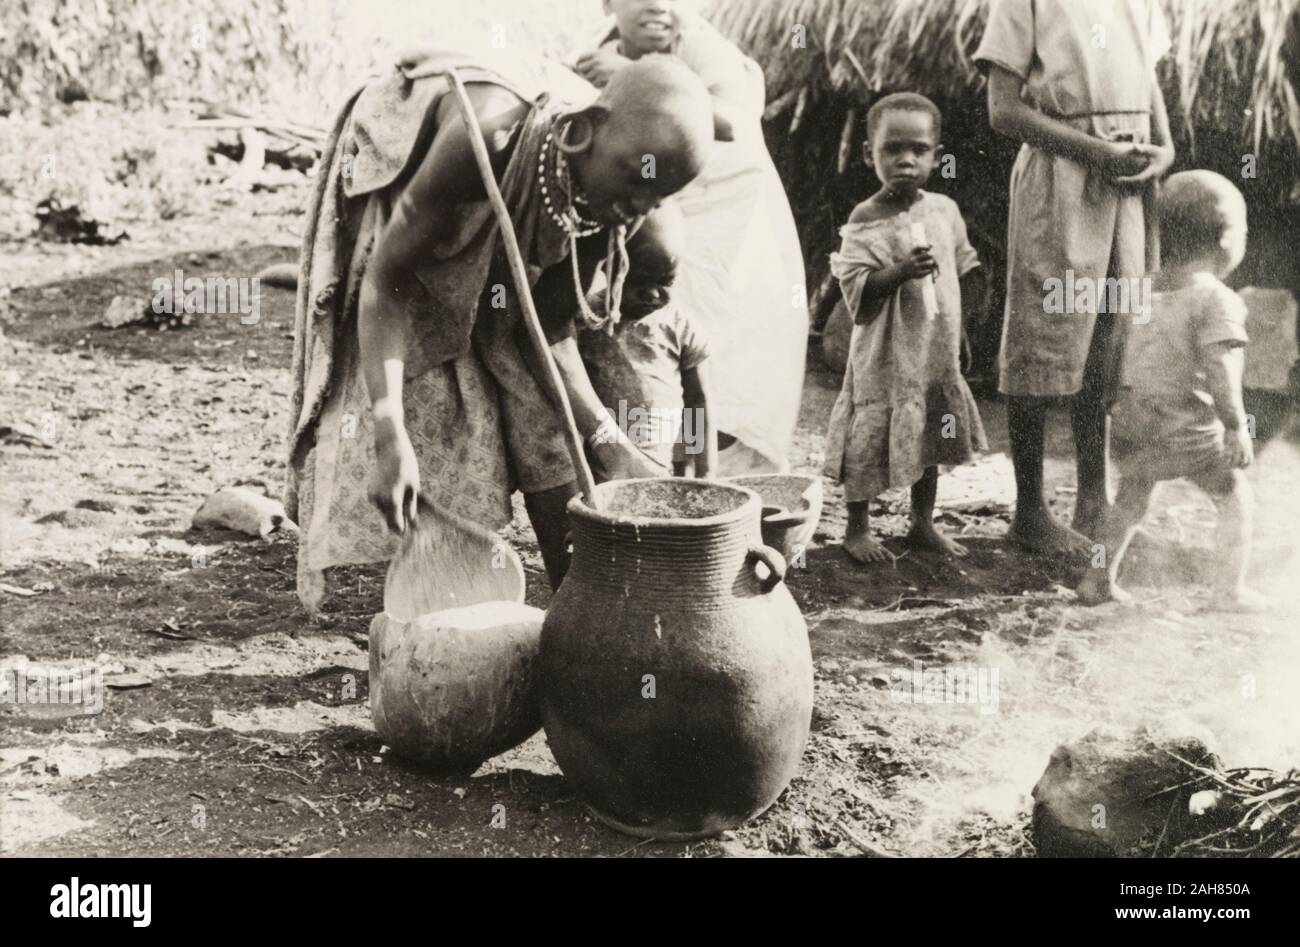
(904,407)
(650,371)
(1180,411)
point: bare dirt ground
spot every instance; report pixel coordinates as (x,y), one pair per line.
(234,725)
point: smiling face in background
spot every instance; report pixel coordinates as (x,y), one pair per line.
(646,26)
(902,150)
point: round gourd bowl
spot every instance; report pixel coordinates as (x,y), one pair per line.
(456,687)
(792,507)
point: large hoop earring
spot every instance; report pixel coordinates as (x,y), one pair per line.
(562,138)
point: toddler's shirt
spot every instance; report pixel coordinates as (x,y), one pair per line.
(1163,362)
(637,374)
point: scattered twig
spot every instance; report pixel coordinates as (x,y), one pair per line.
(627,851)
(861,844)
(1173,804)
(276,769)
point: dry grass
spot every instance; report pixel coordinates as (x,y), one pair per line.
(1226,67)
(294,57)
(1263,810)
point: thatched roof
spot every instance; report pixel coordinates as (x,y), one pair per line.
(1228,85)
(1227,69)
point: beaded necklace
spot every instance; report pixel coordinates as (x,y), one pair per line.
(553,175)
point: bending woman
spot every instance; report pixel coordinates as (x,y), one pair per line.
(413,373)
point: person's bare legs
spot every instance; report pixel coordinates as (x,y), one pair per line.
(1099,582)
(1236,502)
(1091,435)
(858,541)
(923,532)
(1033,527)
(550,521)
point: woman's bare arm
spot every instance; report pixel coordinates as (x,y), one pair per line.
(1161,150)
(1011,116)
(424,214)
(556,299)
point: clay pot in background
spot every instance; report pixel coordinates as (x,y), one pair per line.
(792,507)
(456,687)
(676,674)
(836,336)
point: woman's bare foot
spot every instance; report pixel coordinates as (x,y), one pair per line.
(1089,519)
(1097,589)
(1242,599)
(926,536)
(866,549)
(1038,532)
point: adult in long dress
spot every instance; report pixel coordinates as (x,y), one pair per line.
(741,277)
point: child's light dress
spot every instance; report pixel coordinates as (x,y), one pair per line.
(904,405)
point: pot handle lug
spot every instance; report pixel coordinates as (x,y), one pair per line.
(774,561)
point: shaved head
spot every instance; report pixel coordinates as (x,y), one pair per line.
(659,104)
(659,85)
(654,251)
(660,240)
(646,137)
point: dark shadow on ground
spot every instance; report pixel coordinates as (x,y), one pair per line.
(65,314)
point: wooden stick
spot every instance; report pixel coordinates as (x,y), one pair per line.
(520,274)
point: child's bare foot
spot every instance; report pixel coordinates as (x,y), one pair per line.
(1097,589)
(866,549)
(926,536)
(1242,599)
(1038,532)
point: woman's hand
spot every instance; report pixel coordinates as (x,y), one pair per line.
(599,66)
(1159,158)
(1122,159)
(1239,447)
(623,460)
(396,486)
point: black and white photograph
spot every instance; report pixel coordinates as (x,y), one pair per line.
(863,430)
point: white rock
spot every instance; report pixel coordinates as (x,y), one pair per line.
(243,510)
(123,311)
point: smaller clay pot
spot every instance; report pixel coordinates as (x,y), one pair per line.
(456,687)
(792,507)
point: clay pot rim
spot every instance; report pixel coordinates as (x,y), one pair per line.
(811,496)
(752,507)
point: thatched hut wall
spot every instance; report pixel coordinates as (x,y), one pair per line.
(1228,83)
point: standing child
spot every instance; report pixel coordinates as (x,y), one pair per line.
(649,369)
(1180,411)
(904,407)
(1075,81)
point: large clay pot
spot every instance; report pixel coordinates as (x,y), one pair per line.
(676,675)
(456,687)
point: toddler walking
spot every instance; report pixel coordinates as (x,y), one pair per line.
(1180,411)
